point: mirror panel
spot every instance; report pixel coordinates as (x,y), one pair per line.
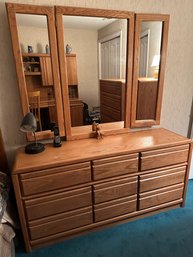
(34,47)
(108,127)
(148,74)
(95,50)
(149,66)
(37,66)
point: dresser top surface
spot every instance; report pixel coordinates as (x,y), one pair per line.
(113,80)
(91,149)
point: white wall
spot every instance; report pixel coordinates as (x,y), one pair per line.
(191,169)
(178,78)
(33,36)
(84,45)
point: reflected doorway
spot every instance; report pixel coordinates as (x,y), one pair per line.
(110,58)
(144,53)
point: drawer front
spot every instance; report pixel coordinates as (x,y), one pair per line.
(115,166)
(164,157)
(50,205)
(115,208)
(112,112)
(111,88)
(114,190)
(54,179)
(106,118)
(158,197)
(110,100)
(69,221)
(161,179)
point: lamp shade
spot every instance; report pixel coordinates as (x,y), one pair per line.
(29,123)
(156,61)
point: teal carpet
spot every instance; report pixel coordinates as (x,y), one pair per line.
(168,234)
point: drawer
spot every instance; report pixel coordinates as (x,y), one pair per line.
(58,203)
(116,189)
(115,166)
(115,208)
(111,87)
(61,223)
(112,112)
(110,100)
(164,157)
(163,178)
(161,196)
(106,118)
(56,178)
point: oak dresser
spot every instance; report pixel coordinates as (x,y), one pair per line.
(89,184)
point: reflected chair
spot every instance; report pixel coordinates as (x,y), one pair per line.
(34,103)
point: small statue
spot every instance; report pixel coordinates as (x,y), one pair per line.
(94,124)
(96,127)
(30,49)
(99,132)
(68,49)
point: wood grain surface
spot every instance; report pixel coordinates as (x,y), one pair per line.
(92,149)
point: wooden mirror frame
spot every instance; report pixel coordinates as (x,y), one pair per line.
(107,128)
(139,18)
(12,10)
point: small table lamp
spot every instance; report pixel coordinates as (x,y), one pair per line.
(29,124)
(155,63)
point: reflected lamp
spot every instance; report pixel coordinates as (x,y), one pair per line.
(155,64)
(29,124)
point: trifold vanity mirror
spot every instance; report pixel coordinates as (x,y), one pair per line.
(78,64)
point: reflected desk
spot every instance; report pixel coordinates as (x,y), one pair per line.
(45,103)
(48,112)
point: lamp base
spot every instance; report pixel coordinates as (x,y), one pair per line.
(156,73)
(34,148)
